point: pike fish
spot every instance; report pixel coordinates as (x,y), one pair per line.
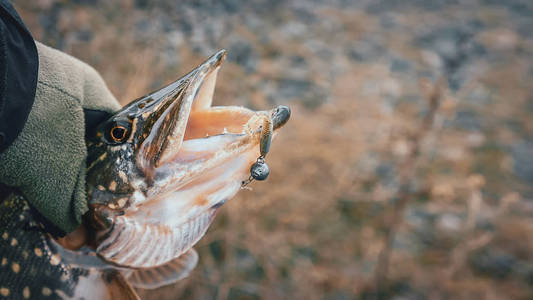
(158,171)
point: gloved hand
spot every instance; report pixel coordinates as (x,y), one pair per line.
(46,162)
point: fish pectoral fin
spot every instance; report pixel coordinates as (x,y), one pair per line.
(171,272)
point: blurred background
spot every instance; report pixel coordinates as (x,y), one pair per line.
(406,170)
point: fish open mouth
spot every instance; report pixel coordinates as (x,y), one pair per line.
(193,157)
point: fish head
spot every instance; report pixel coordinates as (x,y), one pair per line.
(159,169)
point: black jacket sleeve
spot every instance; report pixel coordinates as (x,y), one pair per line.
(19,65)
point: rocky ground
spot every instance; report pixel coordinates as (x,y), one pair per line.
(406,171)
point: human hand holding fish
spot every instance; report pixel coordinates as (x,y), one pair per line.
(158,171)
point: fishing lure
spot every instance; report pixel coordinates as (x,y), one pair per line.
(158,171)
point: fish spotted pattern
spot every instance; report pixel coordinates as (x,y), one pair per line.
(30,268)
(158,171)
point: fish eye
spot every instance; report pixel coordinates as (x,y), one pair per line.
(118,132)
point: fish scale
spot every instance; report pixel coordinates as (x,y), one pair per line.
(154,185)
(25,244)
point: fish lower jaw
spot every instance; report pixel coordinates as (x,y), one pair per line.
(135,245)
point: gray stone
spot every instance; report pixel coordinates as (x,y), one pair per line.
(242,53)
(468,120)
(400,65)
(492,262)
(522,154)
(366,50)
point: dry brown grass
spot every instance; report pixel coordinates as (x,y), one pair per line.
(337,197)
